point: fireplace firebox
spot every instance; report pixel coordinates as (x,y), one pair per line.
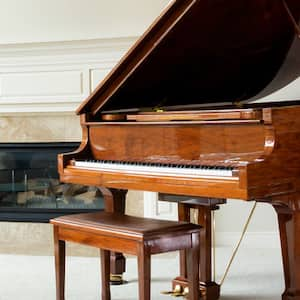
(30,190)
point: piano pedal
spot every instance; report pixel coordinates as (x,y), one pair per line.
(117,279)
(178,291)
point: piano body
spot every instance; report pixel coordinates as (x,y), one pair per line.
(175,116)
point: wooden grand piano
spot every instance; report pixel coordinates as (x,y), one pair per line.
(176,116)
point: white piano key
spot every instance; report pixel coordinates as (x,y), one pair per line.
(174,170)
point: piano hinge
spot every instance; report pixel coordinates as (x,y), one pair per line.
(292,19)
(157,109)
(238,104)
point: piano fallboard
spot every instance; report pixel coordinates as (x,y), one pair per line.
(224,144)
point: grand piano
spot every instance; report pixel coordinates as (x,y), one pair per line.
(183,114)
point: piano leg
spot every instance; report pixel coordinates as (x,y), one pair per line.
(114,201)
(209,289)
(183,215)
(289,226)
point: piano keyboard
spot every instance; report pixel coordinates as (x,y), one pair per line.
(155,168)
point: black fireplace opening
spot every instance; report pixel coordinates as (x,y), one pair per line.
(30,190)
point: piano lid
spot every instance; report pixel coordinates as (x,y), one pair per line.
(199,52)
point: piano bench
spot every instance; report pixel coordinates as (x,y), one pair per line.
(132,235)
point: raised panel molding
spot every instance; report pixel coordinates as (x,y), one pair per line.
(155,209)
(42,84)
(55,77)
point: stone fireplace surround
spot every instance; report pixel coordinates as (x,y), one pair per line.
(36,238)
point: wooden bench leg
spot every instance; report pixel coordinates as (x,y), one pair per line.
(60,257)
(144,272)
(192,267)
(105,273)
(114,201)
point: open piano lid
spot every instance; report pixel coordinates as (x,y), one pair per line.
(199,52)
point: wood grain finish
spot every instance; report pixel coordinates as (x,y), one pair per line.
(251,149)
(114,201)
(218,187)
(288,211)
(177,143)
(105,274)
(132,235)
(60,261)
(283,159)
(264,155)
(195,115)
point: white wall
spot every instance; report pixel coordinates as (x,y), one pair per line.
(54,52)
(23,21)
(235,213)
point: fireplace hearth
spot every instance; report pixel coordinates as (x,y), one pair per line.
(30,190)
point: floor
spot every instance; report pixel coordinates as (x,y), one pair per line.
(255,275)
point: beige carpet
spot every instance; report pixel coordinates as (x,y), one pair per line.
(255,275)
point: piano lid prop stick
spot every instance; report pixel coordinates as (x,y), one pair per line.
(295,24)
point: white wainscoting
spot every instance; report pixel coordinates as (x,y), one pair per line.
(55,77)
(155,209)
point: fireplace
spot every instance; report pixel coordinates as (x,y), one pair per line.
(29,184)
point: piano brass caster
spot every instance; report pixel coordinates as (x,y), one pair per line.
(178,291)
(116,279)
(202,292)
